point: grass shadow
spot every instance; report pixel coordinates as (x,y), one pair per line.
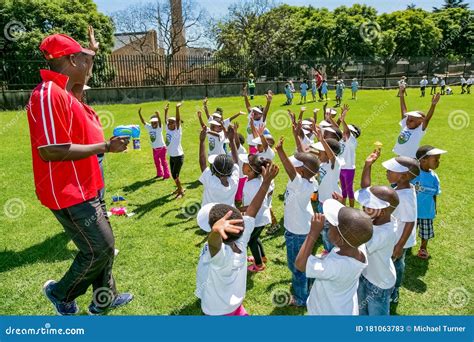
(415,268)
(190,309)
(142,209)
(52,249)
(138,184)
(192,185)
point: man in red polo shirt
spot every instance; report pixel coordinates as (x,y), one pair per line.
(66,137)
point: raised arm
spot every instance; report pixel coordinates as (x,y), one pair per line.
(346,131)
(403,105)
(315,115)
(327,148)
(246,100)
(202,149)
(233,147)
(300,116)
(253,128)
(206,111)
(297,131)
(366,178)
(434,102)
(317,224)
(157,113)
(289,168)
(167,107)
(233,117)
(219,232)
(199,115)
(268,175)
(260,132)
(141,117)
(269,97)
(178,116)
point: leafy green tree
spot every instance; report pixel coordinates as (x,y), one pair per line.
(452,4)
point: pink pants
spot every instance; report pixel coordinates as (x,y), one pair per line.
(159,156)
(240,311)
(347,183)
(253,150)
(240,189)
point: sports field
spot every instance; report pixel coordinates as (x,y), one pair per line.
(159,246)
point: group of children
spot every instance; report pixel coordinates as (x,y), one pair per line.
(363,262)
(465,85)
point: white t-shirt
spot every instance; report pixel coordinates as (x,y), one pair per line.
(267,154)
(408,140)
(423,83)
(156,136)
(216,143)
(257,124)
(173,142)
(442,82)
(298,209)
(226,123)
(251,188)
(406,212)
(308,141)
(215,192)
(434,80)
(334,290)
(380,270)
(348,152)
(329,178)
(221,280)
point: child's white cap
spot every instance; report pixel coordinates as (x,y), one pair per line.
(329,129)
(318,146)
(171,118)
(211,158)
(216,115)
(331,209)
(256,109)
(258,140)
(324,123)
(203,217)
(331,111)
(394,166)
(435,151)
(295,162)
(414,114)
(354,79)
(367,199)
(86,87)
(306,132)
(244,158)
(306,123)
(215,123)
(154,120)
(352,129)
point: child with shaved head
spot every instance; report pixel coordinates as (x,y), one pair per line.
(336,274)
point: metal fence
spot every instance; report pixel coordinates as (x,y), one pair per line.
(154,70)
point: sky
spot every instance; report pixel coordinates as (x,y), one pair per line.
(219,7)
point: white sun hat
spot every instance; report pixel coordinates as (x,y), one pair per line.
(435,151)
(367,199)
(318,146)
(203,217)
(295,162)
(324,123)
(414,114)
(256,109)
(394,166)
(154,120)
(214,122)
(331,209)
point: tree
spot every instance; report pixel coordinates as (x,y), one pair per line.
(174,37)
(27,22)
(452,4)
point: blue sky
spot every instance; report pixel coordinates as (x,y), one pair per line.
(219,7)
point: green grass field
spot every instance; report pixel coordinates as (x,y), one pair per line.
(159,246)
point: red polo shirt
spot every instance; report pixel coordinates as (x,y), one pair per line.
(56,117)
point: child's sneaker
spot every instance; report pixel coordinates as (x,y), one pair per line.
(255,268)
(252,259)
(62,308)
(119,300)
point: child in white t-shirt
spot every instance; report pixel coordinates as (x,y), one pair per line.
(423,84)
(414,125)
(263,141)
(155,130)
(348,145)
(215,135)
(174,135)
(221,178)
(252,166)
(259,117)
(221,278)
(336,275)
(400,171)
(301,169)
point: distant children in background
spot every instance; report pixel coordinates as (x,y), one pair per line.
(469,82)
(336,275)
(301,170)
(402,86)
(221,279)
(319,82)
(414,125)
(442,84)
(324,90)
(339,92)
(314,89)
(288,94)
(354,88)
(155,130)
(423,84)
(251,86)
(348,145)
(304,89)
(434,84)
(427,189)
(449,91)
(174,135)
(463,85)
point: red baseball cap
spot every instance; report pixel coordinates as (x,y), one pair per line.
(58,45)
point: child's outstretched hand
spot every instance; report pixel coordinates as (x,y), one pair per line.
(344,110)
(204,102)
(93,44)
(269,173)
(337,196)
(269,96)
(167,106)
(260,129)
(372,158)
(202,135)
(242,113)
(179,104)
(231,132)
(435,99)
(279,145)
(317,224)
(224,226)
